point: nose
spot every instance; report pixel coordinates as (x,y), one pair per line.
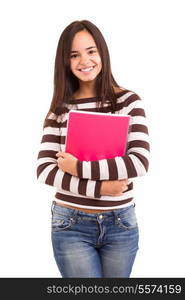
(84,59)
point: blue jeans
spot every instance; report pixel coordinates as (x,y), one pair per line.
(94,244)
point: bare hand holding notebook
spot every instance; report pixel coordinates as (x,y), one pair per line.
(94,136)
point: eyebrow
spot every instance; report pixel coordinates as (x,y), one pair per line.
(74,51)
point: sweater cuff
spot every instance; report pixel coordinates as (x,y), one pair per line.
(97,189)
(79,168)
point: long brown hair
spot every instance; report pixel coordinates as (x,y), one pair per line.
(65,83)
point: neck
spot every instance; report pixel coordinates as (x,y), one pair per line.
(86,89)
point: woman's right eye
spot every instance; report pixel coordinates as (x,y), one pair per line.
(74,55)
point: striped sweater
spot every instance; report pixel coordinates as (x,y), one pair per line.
(83,191)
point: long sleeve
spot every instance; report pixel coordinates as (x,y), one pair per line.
(136,160)
(49,173)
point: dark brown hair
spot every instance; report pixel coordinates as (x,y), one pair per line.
(65,83)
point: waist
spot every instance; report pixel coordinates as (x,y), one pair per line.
(82,209)
(91,205)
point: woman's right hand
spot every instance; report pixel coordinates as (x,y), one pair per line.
(113,187)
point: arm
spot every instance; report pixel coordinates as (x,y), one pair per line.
(135,163)
(49,173)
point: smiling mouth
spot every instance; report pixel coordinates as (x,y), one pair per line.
(87,69)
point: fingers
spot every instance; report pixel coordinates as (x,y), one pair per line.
(125,188)
(60,154)
(124,181)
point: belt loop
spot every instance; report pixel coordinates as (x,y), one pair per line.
(75,212)
(116,212)
(52,206)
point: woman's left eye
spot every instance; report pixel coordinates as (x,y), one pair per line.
(92,51)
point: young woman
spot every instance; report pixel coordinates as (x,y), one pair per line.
(94,227)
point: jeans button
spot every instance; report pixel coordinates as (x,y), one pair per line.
(100,217)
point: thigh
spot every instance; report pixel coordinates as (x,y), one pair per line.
(74,254)
(119,252)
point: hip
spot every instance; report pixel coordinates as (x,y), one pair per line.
(69,219)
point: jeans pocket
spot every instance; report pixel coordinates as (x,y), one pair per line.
(61,222)
(127,219)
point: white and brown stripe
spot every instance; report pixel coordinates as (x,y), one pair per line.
(84,190)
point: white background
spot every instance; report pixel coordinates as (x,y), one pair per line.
(146,44)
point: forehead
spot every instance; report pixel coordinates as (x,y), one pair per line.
(82,40)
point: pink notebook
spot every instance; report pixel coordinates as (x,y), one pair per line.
(95,136)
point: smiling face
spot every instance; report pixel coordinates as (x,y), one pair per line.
(85,61)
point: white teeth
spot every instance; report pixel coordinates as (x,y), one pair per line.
(87,70)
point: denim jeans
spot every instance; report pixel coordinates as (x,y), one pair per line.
(94,244)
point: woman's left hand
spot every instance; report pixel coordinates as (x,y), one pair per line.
(67,163)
